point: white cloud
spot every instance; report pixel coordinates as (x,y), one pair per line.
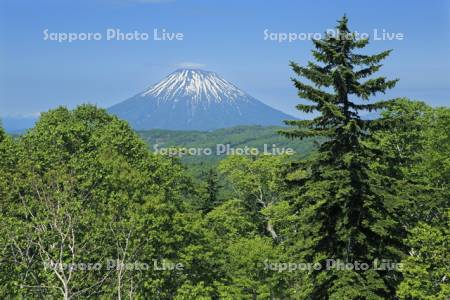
(190,65)
(149,1)
(35,114)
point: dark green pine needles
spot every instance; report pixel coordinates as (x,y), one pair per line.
(346,211)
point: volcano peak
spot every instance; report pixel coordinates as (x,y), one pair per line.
(194,99)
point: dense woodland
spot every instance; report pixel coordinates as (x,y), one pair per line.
(265,139)
(85,205)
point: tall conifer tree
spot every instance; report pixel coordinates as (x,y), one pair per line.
(346,211)
(2,133)
(212,190)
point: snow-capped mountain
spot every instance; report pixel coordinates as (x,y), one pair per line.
(200,86)
(190,99)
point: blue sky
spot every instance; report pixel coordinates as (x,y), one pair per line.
(222,36)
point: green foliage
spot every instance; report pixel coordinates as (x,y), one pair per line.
(84,188)
(346,211)
(259,183)
(418,147)
(425,270)
(236,137)
(248,279)
(420,144)
(229,221)
(2,133)
(209,191)
(240,254)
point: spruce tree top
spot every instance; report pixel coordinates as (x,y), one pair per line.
(339,92)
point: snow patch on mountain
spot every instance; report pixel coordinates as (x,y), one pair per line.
(198,85)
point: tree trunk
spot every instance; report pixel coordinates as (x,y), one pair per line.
(272,232)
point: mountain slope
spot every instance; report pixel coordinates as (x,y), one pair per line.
(235,137)
(191,99)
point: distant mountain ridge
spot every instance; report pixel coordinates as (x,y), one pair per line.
(236,137)
(192,99)
(17,124)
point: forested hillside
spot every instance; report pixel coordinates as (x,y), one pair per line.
(223,141)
